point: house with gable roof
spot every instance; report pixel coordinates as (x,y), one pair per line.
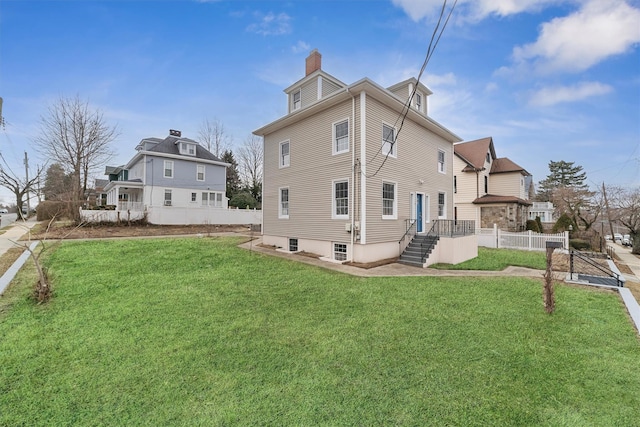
(487,189)
(361,173)
(172,180)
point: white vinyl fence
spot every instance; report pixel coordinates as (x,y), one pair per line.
(177,216)
(527,240)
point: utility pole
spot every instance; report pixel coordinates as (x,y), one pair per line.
(26,168)
(606,204)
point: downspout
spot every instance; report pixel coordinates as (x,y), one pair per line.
(353,170)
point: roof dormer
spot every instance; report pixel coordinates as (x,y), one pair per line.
(412,88)
(186,148)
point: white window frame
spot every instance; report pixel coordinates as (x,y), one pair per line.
(168,166)
(340,255)
(334,204)
(442,162)
(187,149)
(283,213)
(200,168)
(334,137)
(419,97)
(394,214)
(296,104)
(392,150)
(167,192)
(284,162)
(194,197)
(442,214)
(293,244)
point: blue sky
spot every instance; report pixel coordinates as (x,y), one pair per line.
(548,80)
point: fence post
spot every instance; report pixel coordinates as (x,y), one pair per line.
(566,239)
(496,233)
(530,239)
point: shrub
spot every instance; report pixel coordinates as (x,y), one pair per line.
(579,244)
(49,209)
(533,226)
(243,200)
(563,223)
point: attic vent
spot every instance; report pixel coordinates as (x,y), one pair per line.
(173,132)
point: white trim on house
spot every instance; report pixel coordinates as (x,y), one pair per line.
(394,214)
(334,205)
(363,168)
(282,212)
(393,149)
(284,162)
(334,148)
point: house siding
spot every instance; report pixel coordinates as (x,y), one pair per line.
(328,87)
(507,184)
(312,170)
(184,175)
(417,159)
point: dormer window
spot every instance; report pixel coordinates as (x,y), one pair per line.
(296,99)
(488,157)
(418,101)
(188,149)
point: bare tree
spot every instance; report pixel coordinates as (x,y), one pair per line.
(250,159)
(77,137)
(213,136)
(19,186)
(625,202)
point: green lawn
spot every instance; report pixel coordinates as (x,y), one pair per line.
(196,332)
(498,259)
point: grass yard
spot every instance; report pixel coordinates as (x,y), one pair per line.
(196,332)
(490,259)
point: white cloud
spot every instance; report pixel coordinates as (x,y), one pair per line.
(582,39)
(557,94)
(301,47)
(271,24)
(474,10)
(440,79)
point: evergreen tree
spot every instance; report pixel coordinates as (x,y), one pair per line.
(57,184)
(233,176)
(561,175)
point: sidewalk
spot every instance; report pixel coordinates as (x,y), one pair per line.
(14,232)
(632,261)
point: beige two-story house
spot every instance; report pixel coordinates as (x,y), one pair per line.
(487,189)
(353,169)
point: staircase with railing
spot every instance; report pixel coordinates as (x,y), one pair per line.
(420,246)
(583,268)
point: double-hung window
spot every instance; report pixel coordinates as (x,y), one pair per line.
(441,164)
(340,199)
(418,98)
(168,168)
(167,197)
(200,172)
(283,203)
(341,137)
(388,140)
(296,99)
(212,199)
(442,213)
(285,157)
(389,200)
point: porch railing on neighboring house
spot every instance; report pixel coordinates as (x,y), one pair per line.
(131,206)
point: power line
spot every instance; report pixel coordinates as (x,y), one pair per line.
(433,43)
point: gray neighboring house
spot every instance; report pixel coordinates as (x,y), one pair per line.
(173,172)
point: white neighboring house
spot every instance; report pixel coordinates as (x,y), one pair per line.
(172,181)
(545,210)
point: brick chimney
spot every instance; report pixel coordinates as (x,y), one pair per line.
(314,61)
